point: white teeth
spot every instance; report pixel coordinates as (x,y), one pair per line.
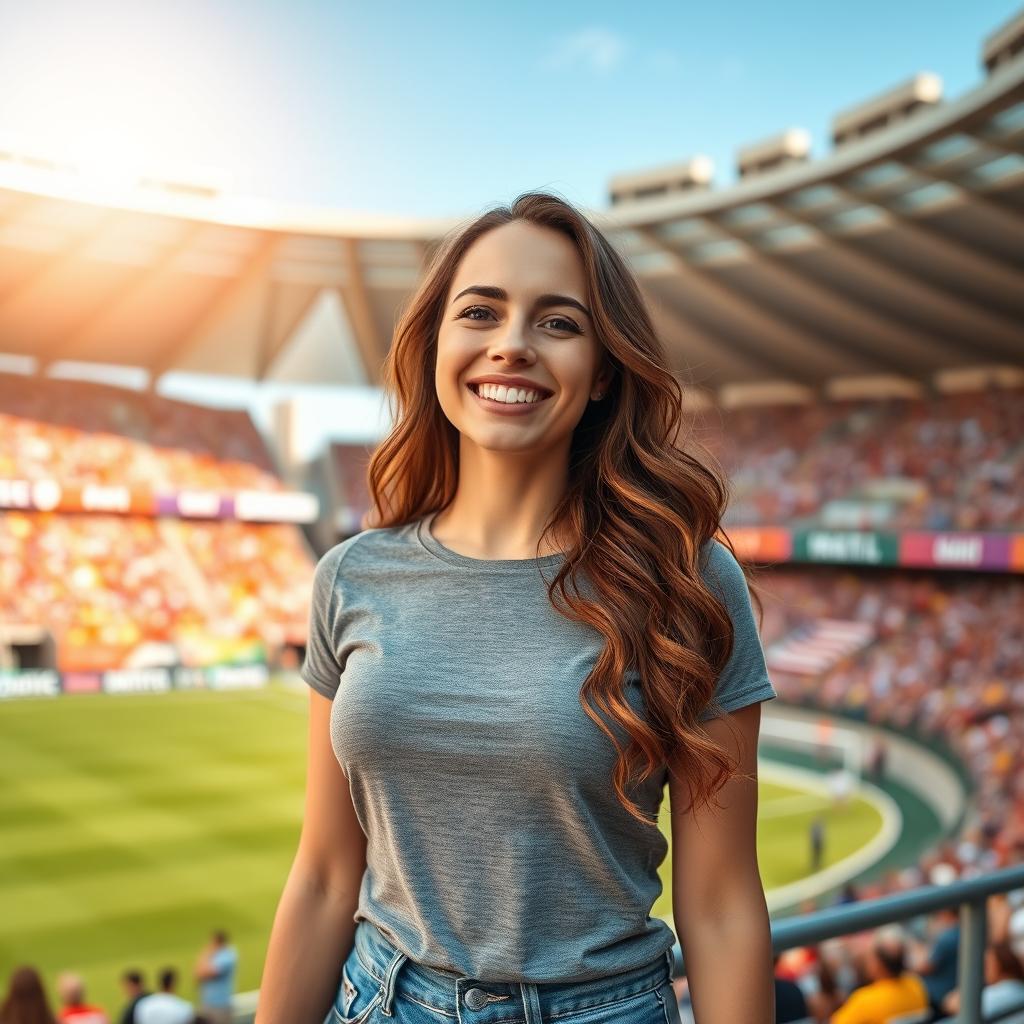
(510,396)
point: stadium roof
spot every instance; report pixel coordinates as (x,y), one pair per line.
(899,256)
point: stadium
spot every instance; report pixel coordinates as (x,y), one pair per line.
(849,331)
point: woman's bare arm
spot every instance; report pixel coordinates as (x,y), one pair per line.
(718,900)
(313,928)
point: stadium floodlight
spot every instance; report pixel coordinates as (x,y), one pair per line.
(791,146)
(685,176)
(923,91)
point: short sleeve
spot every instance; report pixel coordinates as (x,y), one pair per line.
(744,679)
(320,667)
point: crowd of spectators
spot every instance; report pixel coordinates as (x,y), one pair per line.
(27,1002)
(945,462)
(947,662)
(130,591)
(911,968)
(79,432)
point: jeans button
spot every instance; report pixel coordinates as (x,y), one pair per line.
(476,998)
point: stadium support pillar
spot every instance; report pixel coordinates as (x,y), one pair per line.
(972,960)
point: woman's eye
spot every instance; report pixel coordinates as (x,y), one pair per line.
(472,309)
(565,320)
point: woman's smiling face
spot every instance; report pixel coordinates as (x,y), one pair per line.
(517,308)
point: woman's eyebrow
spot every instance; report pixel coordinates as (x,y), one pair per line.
(490,291)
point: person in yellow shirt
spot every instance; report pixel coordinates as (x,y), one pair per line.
(892,989)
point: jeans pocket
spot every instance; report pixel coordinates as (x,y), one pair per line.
(670,1004)
(358,994)
(639,1008)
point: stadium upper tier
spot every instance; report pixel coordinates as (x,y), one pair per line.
(944,463)
(140,589)
(83,432)
(899,256)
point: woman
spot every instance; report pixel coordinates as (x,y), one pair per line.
(509,665)
(26,1001)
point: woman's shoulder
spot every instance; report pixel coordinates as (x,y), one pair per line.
(719,564)
(367,547)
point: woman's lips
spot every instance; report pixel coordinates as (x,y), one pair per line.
(507,408)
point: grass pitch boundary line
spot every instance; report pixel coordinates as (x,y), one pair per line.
(784,806)
(842,870)
(853,864)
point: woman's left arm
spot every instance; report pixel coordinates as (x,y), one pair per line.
(718,901)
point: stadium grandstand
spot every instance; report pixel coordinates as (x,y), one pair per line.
(849,331)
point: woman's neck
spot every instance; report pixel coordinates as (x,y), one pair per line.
(501,504)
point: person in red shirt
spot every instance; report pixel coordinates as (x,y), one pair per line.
(73,1007)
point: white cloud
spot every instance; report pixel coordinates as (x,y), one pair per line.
(595,48)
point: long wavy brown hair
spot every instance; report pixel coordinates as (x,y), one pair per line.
(644,496)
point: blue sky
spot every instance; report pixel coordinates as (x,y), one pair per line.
(444,108)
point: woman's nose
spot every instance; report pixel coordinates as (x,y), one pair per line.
(512,340)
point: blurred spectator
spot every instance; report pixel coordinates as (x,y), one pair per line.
(876,761)
(164,1007)
(840,785)
(847,894)
(789,999)
(939,967)
(1004,986)
(820,987)
(71,993)
(26,1001)
(134,988)
(891,988)
(817,837)
(1006,920)
(215,972)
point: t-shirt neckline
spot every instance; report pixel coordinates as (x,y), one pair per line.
(436,548)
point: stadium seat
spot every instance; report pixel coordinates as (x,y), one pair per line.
(913,1017)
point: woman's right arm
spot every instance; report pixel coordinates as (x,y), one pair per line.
(313,928)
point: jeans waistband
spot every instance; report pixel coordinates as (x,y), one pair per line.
(444,990)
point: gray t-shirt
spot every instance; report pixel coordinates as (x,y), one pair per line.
(496,846)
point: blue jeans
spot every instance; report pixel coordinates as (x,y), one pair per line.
(381,984)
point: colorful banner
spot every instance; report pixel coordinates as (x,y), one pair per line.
(51,683)
(761,544)
(116,499)
(29,683)
(846,547)
(956,550)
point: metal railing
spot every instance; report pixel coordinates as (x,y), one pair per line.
(968,895)
(807,929)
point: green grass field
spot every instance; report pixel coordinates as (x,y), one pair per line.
(133,825)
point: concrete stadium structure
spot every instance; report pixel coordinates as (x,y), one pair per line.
(894,264)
